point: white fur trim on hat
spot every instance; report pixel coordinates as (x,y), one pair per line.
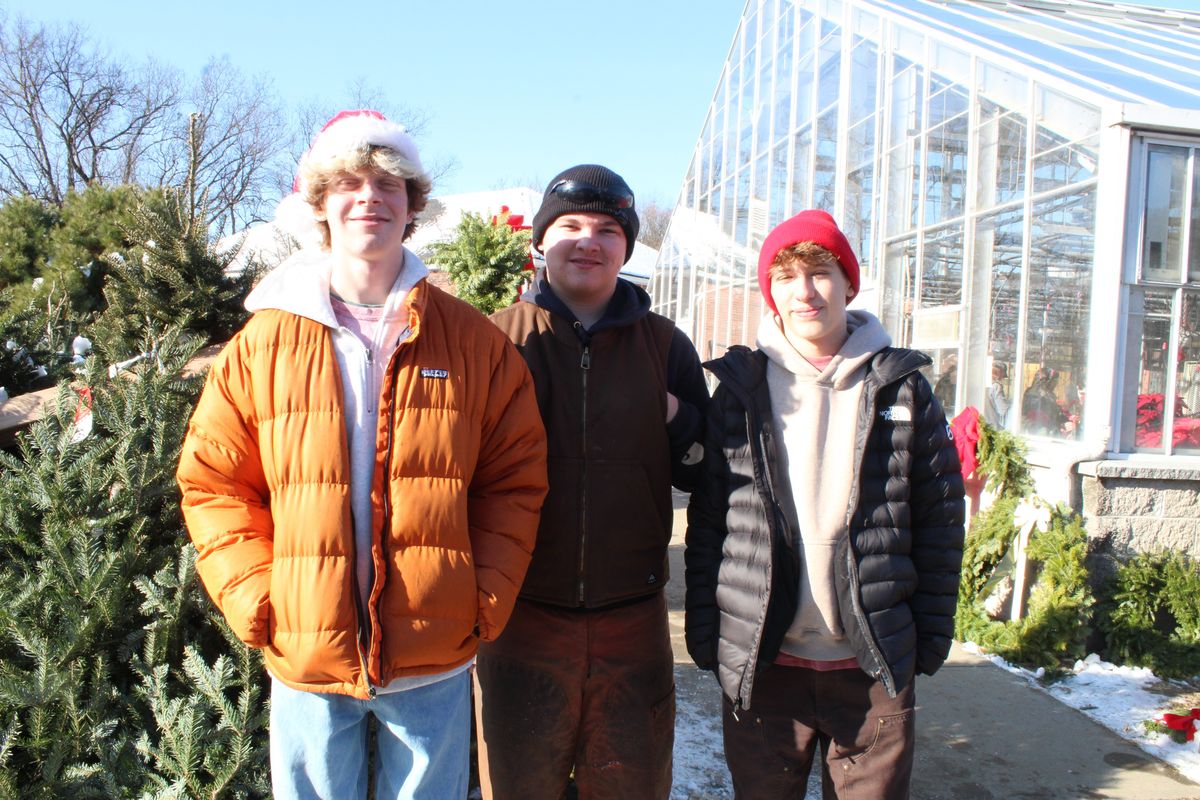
(351,131)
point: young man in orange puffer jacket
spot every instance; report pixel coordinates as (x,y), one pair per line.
(362,479)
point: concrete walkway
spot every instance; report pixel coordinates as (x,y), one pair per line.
(982,734)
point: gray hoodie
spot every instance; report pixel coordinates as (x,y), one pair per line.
(816,413)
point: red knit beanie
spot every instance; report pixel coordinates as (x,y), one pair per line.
(808,226)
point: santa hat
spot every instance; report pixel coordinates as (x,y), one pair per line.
(813,226)
(351,131)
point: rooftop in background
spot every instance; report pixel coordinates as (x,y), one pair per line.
(439,219)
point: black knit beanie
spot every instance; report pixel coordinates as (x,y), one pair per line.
(601,178)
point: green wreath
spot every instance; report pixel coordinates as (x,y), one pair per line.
(1054,627)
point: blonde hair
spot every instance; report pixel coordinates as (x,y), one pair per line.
(315,178)
(788,259)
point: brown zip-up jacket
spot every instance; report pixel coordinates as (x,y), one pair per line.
(606,522)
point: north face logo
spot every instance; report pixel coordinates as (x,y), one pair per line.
(442,374)
(896,414)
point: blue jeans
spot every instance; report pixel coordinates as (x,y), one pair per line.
(319,743)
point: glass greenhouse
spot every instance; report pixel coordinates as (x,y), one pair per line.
(1020,178)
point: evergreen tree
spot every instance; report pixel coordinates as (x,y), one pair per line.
(117,677)
(25,225)
(177,280)
(92,225)
(485,261)
(35,338)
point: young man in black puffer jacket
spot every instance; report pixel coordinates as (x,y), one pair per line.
(825,535)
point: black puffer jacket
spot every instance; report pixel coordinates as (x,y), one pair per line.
(897,570)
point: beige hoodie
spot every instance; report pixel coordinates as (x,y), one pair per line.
(816,414)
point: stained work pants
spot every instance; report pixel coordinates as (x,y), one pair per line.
(589,690)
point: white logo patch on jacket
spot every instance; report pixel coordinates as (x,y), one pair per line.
(427,372)
(897,414)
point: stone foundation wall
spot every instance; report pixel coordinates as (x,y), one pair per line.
(1132,507)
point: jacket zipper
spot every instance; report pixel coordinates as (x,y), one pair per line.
(387,470)
(362,614)
(759,445)
(373,397)
(585,364)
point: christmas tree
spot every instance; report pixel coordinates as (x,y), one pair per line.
(486,261)
(118,678)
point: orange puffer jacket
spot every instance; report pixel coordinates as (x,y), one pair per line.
(459,480)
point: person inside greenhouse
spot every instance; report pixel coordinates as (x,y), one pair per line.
(996,402)
(824,535)
(362,479)
(582,680)
(1043,414)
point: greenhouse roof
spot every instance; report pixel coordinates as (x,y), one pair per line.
(1126,53)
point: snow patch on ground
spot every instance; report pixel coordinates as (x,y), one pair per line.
(1120,699)
(699,767)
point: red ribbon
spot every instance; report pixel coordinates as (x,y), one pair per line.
(1183,722)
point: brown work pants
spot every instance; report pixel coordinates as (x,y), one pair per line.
(866,738)
(589,690)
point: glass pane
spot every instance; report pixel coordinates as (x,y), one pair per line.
(778,178)
(1065,118)
(761,187)
(901,176)
(825,170)
(998,250)
(1166,171)
(1186,437)
(948,61)
(863,80)
(864,23)
(1065,165)
(946,172)
(942,271)
(943,376)
(1005,89)
(829,72)
(861,144)
(899,287)
(1001,156)
(908,93)
(1060,279)
(1151,373)
(856,222)
(800,170)
(741,232)
(805,81)
(1194,239)
(946,100)
(783,86)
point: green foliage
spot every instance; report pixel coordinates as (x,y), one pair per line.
(1054,627)
(25,225)
(117,678)
(987,542)
(40,330)
(92,225)
(1158,726)
(485,262)
(1152,614)
(1001,457)
(178,280)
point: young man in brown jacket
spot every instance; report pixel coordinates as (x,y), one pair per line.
(582,678)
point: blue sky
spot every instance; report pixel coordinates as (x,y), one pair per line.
(513,92)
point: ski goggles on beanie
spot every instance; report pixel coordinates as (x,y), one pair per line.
(584,193)
(588,188)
